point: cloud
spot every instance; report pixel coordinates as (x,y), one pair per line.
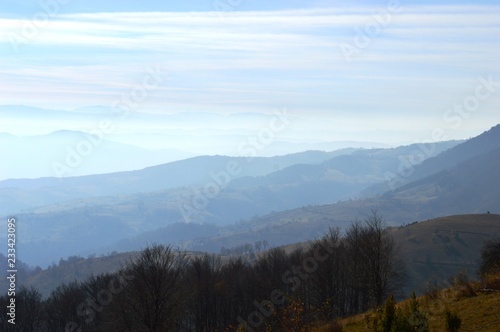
(423,59)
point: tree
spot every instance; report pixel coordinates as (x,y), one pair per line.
(154,299)
(357,266)
(385,267)
(490,258)
(29,309)
(389,314)
(203,277)
(417,319)
(60,308)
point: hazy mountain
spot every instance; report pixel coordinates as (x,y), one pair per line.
(25,194)
(199,133)
(484,143)
(125,206)
(472,186)
(111,207)
(82,218)
(72,153)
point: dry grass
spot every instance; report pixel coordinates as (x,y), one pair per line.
(478,310)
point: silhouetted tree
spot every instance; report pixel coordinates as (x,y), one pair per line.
(490,257)
(385,267)
(29,310)
(154,298)
(203,278)
(60,309)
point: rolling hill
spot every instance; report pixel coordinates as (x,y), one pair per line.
(25,194)
(469,187)
(470,149)
(115,209)
(439,248)
(433,249)
(477,312)
(122,210)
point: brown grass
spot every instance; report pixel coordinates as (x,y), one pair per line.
(479,310)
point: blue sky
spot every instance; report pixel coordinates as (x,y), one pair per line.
(393,84)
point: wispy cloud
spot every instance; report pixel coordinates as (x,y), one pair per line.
(257,60)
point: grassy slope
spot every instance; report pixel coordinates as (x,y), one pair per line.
(478,312)
(442,247)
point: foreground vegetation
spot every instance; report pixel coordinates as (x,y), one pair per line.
(164,290)
(464,306)
(475,304)
(311,289)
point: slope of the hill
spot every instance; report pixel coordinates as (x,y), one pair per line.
(470,149)
(78,226)
(439,248)
(470,187)
(25,194)
(434,250)
(477,310)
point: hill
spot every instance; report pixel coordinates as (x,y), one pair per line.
(409,172)
(75,153)
(477,308)
(434,250)
(470,187)
(73,268)
(120,208)
(439,248)
(26,194)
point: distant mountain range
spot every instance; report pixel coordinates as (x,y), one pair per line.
(99,140)
(72,153)
(205,203)
(471,184)
(117,208)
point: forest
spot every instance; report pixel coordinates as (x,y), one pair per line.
(339,275)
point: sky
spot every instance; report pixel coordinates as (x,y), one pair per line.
(393,72)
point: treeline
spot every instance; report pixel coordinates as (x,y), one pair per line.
(164,290)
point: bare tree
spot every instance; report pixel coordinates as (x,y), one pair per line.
(154,299)
(30,309)
(385,267)
(60,308)
(203,278)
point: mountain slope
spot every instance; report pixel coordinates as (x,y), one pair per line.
(24,194)
(408,172)
(112,208)
(469,187)
(438,248)
(478,312)
(74,153)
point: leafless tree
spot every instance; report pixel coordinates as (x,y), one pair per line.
(154,298)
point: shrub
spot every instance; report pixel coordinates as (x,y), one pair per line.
(431,290)
(389,314)
(417,319)
(452,321)
(408,319)
(462,286)
(491,281)
(490,257)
